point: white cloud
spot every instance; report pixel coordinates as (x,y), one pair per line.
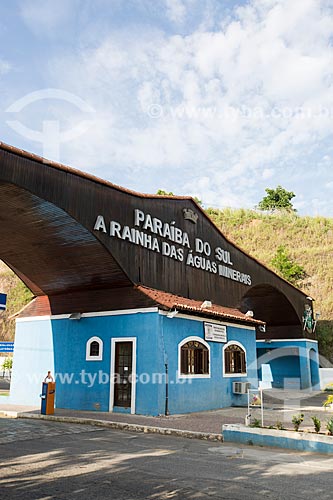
(44,16)
(4,67)
(227,102)
(267,173)
(175,10)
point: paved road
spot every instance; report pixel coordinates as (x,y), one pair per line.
(49,460)
(4,383)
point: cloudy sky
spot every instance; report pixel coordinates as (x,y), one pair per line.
(214,98)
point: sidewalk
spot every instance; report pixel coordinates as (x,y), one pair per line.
(278,407)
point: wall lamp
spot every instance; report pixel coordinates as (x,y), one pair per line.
(206,304)
(172,314)
(76,316)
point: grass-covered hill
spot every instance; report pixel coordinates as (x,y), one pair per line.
(307,240)
(18,296)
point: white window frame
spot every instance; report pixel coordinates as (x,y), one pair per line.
(233,375)
(88,344)
(187,376)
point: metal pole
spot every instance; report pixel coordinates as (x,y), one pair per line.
(166,390)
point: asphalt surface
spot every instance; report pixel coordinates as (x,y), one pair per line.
(4,383)
(43,460)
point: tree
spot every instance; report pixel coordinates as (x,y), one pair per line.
(277,199)
(287,268)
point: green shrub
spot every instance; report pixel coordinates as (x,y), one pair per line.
(7,364)
(286,267)
(329,426)
(297,420)
(316,423)
(255,423)
(328,401)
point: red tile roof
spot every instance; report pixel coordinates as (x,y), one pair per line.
(40,306)
(169,301)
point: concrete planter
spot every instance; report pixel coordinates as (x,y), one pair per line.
(292,440)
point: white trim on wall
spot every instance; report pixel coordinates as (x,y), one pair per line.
(287,340)
(88,344)
(233,375)
(119,312)
(181,343)
(203,320)
(112,370)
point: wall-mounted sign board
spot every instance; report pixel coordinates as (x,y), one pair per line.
(215,332)
(6,346)
(3,300)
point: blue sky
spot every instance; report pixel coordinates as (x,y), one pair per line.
(216,99)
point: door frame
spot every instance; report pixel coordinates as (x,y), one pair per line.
(112,370)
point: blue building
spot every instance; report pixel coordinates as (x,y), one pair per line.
(164,362)
(141,303)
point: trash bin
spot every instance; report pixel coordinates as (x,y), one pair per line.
(47,396)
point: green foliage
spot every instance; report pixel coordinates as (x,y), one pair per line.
(329,387)
(329,426)
(316,423)
(7,364)
(297,420)
(164,193)
(255,423)
(277,199)
(324,333)
(328,401)
(286,267)
(18,296)
(279,426)
(197,200)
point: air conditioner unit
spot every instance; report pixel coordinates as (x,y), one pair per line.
(240,387)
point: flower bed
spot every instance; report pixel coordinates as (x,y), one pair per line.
(302,441)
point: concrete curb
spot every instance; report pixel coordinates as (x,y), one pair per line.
(124,426)
(8,413)
(300,441)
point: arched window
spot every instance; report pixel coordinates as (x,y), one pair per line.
(234,359)
(94,349)
(194,357)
